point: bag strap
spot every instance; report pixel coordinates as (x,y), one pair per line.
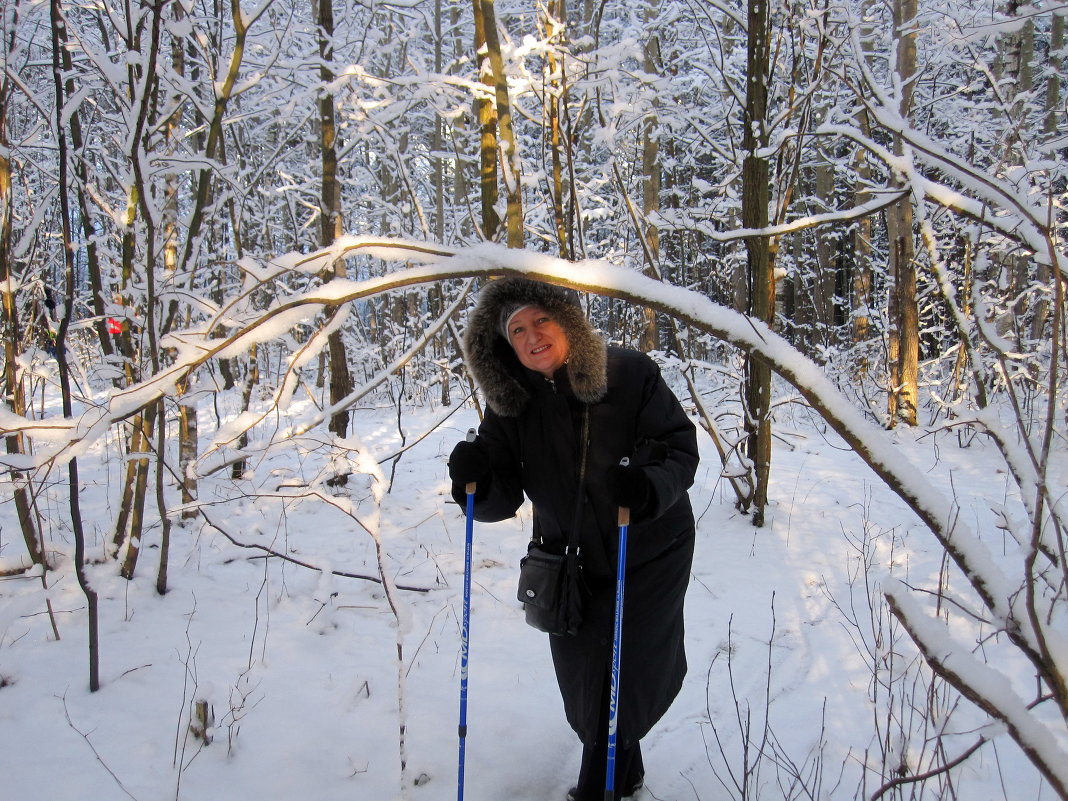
(573,535)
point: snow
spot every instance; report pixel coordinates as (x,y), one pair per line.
(319,679)
(300,669)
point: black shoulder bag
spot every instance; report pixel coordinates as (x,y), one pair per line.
(550,584)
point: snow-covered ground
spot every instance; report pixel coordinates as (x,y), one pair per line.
(300,670)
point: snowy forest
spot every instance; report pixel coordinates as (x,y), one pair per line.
(238,245)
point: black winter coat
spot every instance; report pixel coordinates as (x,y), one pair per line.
(536,451)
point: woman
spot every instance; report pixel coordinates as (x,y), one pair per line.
(546,374)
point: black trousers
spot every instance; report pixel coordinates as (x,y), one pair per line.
(630,770)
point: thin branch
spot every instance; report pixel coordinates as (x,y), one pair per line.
(299,562)
(922,777)
(118,781)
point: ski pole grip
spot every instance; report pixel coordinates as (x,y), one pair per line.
(470,487)
(624,511)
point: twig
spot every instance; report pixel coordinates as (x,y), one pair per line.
(118,781)
(922,777)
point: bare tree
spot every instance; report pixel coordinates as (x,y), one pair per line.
(651,175)
(903,346)
(62,88)
(508,142)
(14,391)
(486,112)
(330,220)
(755,198)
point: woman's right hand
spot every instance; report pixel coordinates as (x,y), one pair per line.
(467,463)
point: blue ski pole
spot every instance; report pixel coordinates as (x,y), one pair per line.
(465,634)
(617,647)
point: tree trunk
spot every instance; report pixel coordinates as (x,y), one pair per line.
(251,379)
(1054,110)
(1051,128)
(862,235)
(14,392)
(555,102)
(98,299)
(486,112)
(161,502)
(903,346)
(862,272)
(827,250)
(136,491)
(651,178)
(59,37)
(187,454)
(511,165)
(139,267)
(437,139)
(755,197)
(330,212)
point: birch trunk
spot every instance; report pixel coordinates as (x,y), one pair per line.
(903,345)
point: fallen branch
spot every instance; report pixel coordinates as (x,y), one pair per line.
(118,781)
(300,563)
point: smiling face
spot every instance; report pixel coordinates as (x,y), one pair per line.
(538,340)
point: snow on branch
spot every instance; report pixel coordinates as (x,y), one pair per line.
(984,685)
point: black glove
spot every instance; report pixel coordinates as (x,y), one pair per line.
(467,463)
(629,486)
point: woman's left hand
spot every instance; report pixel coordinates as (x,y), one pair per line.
(629,487)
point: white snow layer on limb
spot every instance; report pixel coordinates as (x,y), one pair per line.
(982,684)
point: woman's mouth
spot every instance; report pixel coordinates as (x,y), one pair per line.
(539,349)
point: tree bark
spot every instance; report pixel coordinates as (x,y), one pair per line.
(555,102)
(437,138)
(486,112)
(862,265)
(133,510)
(510,162)
(14,391)
(761,280)
(187,454)
(1051,127)
(330,211)
(161,501)
(903,346)
(58,30)
(651,179)
(861,302)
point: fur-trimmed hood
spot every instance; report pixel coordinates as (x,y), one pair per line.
(495,366)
